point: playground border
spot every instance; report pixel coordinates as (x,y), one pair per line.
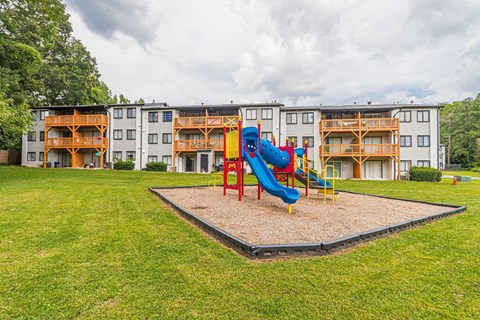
(266,251)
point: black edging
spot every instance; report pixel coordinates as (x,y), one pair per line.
(265,251)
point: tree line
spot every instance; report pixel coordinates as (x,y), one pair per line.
(460,131)
(42,63)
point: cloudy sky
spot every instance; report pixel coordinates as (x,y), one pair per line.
(298,52)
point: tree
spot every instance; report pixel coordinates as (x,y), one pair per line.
(14,121)
(460,124)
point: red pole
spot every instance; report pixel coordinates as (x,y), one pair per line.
(293,166)
(225,180)
(239,161)
(258,150)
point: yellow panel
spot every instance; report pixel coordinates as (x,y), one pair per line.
(232,145)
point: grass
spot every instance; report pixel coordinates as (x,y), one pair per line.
(97,245)
(461,173)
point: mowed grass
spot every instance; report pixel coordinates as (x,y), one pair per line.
(461,173)
(97,245)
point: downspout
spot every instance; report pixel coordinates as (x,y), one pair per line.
(109,130)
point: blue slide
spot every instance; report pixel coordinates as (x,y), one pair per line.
(300,152)
(256,161)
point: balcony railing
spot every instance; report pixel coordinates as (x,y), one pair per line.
(206,121)
(77,142)
(360,124)
(80,120)
(194,145)
(359,150)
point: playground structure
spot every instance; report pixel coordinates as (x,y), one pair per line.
(285,163)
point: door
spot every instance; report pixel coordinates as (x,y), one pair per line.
(95,159)
(66,159)
(204,162)
(371,145)
(372,169)
(190,164)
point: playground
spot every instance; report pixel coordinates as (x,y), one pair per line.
(266,221)
(278,216)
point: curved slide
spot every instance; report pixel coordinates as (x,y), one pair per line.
(259,167)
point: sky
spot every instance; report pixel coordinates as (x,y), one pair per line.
(297,52)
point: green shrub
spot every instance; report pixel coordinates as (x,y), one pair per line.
(475,169)
(156,166)
(123,165)
(425,174)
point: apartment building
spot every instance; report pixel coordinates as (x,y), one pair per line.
(360,141)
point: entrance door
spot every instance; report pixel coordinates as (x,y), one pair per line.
(66,159)
(372,169)
(190,164)
(95,159)
(204,162)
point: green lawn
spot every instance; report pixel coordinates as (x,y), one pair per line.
(97,244)
(461,173)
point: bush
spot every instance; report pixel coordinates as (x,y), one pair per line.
(156,166)
(123,165)
(475,169)
(425,174)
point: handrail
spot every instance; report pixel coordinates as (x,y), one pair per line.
(357,124)
(81,119)
(205,121)
(76,142)
(359,149)
(216,144)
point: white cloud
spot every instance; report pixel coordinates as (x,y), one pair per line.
(297,52)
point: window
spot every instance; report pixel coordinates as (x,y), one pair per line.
(152,159)
(153,117)
(167,138)
(423,141)
(251,114)
(267,136)
(405,141)
(42,136)
(334,166)
(167,116)
(32,136)
(117,113)
(131,113)
(267,114)
(130,155)
(43,114)
(405,165)
(40,156)
(117,134)
(294,141)
(30,156)
(310,141)
(167,160)
(291,118)
(307,117)
(423,116)
(405,116)
(423,163)
(131,134)
(117,155)
(34,115)
(152,138)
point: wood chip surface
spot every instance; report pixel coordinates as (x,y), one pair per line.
(267,221)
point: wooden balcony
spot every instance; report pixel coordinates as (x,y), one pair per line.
(195,145)
(348,150)
(77,120)
(77,142)
(370,124)
(204,122)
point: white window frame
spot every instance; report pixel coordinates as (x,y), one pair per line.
(403,116)
(291,118)
(267,114)
(421,115)
(251,114)
(118,134)
(306,117)
(167,159)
